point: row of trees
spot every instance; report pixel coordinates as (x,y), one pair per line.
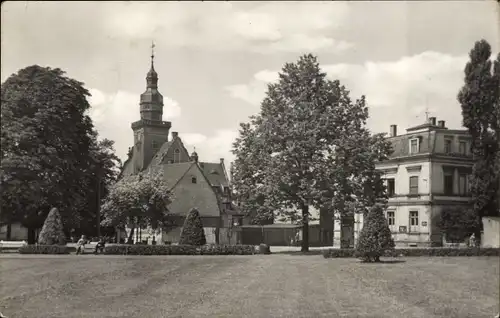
(308,147)
(50,152)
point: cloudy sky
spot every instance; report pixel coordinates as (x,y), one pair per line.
(215,59)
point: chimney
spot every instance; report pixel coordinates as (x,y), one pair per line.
(432,121)
(221,161)
(441,124)
(174,134)
(394,130)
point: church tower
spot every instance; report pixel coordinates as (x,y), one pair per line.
(150,132)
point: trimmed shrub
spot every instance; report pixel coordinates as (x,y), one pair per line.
(192,231)
(44,249)
(179,250)
(52,231)
(264,249)
(375,237)
(415,252)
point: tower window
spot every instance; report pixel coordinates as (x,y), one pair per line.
(177,156)
(193,179)
(155,144)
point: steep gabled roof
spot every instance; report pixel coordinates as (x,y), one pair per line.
(172,172)
(215,173)
(161,153)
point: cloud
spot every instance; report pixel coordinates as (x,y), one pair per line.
(404,88)
(267,27)
(112,114)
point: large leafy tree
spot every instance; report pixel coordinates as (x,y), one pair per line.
(308,147)
(138,201)
(45,142)
(479,98)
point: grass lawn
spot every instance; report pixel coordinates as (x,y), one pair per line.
(246,286)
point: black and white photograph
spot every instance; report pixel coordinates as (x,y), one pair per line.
(245,159)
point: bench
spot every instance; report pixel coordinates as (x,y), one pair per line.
(11,245)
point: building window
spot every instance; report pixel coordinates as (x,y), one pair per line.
(155,144)
(462,184)
(177,156)
(414,145)
(448,184)
(414,185)
(391,187)
(193,179)
(413,221)
(391,219)
(447,146)
(462,147)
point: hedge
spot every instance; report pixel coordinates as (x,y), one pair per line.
(343,253)
(44,249)
(125,249)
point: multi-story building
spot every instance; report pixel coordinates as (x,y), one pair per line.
(428,171)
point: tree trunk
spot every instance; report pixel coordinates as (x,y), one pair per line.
(9,231)
(305,228)
(31,236)
(131,236)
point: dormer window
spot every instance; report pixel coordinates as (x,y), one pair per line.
(414,145)
(193,179)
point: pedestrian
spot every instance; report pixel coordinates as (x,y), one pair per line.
(80,245)
(100,245)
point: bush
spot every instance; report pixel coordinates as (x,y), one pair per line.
(415,252)
(179,250)
(44,249)
(458,223)
(192,231)
(52,231)
(375,237)
(264,249)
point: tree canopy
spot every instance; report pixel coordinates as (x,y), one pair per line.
(138,200)
(480,101)
(308,147)
(48,148)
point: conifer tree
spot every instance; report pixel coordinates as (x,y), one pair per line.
(52,231)
(480,101)
(192,231)
(375,237)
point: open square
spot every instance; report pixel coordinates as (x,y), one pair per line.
(246,286)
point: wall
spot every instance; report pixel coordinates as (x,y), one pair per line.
(18,232)
(491,232)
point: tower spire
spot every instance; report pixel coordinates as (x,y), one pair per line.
(152,54)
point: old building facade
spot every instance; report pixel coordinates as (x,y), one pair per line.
(429,170)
